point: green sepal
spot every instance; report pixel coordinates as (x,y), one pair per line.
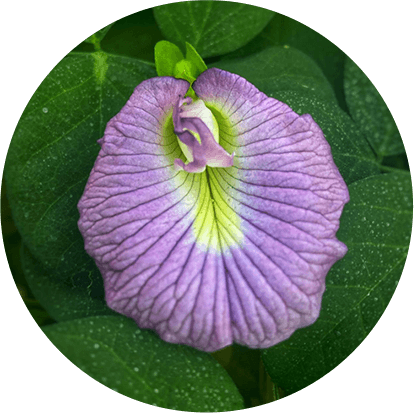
(195,58)
(169,61)
(185,69)
(167,55)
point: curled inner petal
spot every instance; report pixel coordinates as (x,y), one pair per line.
(205,150)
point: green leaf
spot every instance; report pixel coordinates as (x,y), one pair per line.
(68,296)
(138,364)
(135,36)
(284,31)
(278,68)
(212,27)
(97,37)
(370,112)
(167,55)
(54,148)
(376,227)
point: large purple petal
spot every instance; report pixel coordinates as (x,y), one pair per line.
(288,196)
(230,254)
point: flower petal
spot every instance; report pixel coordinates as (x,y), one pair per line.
(288,196)
(207,151)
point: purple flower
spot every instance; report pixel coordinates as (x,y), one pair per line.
(237,248)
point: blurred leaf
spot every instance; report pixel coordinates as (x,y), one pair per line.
(370,112)
(212,27)
(376,227)
(139,365)
(134,36)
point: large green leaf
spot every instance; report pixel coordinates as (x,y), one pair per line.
(376,227)
(54,148)
(328,57)
(212,27)
(281,68)
(370,112)
(284,31)
(138,364)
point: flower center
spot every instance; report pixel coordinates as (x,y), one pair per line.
(198,136)
(199,110)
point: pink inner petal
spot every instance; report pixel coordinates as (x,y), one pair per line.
(208,152)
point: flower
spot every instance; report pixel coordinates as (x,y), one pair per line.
(236,253)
